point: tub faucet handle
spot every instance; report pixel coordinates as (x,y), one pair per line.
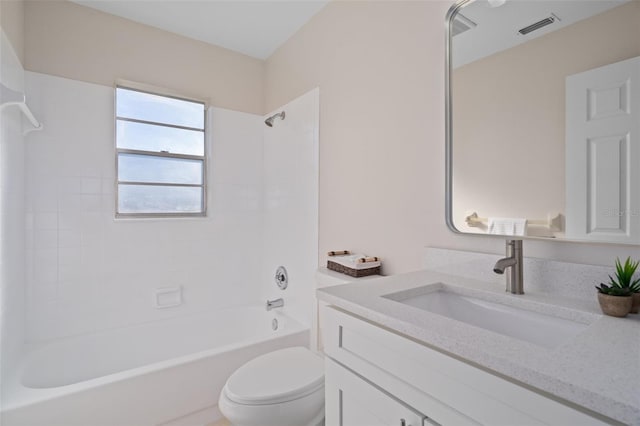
(281,278)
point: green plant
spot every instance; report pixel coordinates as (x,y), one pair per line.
(614,290)
(624,275)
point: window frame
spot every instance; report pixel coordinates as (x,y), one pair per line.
(159,154)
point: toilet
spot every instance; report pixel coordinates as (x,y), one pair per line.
(280,388)
(284,387)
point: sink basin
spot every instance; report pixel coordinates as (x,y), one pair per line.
(534,327)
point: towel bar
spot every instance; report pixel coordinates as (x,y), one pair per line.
(554,223)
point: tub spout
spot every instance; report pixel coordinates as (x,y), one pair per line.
(276,303)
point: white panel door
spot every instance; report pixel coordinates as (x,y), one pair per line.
(603,153)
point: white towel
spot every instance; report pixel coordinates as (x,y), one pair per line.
(507,226)
(351,261)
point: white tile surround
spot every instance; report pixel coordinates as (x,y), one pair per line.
(87,271)
(290,171)
(564,279)
(12,209)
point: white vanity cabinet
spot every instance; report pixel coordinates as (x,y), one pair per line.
(375,376)
(354,401)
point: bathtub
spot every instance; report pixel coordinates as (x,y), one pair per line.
(166,372)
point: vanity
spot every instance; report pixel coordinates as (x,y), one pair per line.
(428,348)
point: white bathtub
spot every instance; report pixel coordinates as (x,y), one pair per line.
(147,374)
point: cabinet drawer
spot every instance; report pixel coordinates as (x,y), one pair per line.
(449,390)
(351,401)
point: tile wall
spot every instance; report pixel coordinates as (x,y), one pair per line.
(290,188)
(12,208)
(87,271)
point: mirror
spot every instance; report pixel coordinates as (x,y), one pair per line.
(543,119)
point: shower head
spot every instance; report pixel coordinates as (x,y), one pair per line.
(269,121)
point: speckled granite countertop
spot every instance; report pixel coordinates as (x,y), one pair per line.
(598,369)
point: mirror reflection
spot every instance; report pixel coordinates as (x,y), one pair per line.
(545,124)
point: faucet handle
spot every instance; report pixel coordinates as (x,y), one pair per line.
(281,277)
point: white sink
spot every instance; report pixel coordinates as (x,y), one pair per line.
(541,329)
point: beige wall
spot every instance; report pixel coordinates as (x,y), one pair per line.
(72,41)
(518,113)
(12,23)
(380,69)
(380,72)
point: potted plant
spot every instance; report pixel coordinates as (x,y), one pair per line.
(635,298)
(621,291)
(614,301)
(624,275)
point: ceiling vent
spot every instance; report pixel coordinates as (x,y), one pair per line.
(461,24)
(540,24)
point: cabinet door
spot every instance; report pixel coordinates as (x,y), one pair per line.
(352,401)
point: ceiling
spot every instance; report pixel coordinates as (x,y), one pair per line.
(254,28)
(497,27)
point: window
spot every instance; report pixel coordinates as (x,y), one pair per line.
(160,148)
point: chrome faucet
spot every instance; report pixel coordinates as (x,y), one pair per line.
(514,261)
(275,303)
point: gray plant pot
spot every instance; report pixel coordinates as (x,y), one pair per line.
(615,306)
(636,303)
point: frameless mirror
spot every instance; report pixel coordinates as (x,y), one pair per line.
(543,119)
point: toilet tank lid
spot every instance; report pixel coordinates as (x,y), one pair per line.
(278,376)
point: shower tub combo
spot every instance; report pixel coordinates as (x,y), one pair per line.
(166,372)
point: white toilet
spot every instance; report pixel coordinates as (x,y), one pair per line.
(280,388)
(284,387)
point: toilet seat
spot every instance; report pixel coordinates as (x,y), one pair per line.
(276,377)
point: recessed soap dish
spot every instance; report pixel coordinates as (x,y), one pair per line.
(168,297)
